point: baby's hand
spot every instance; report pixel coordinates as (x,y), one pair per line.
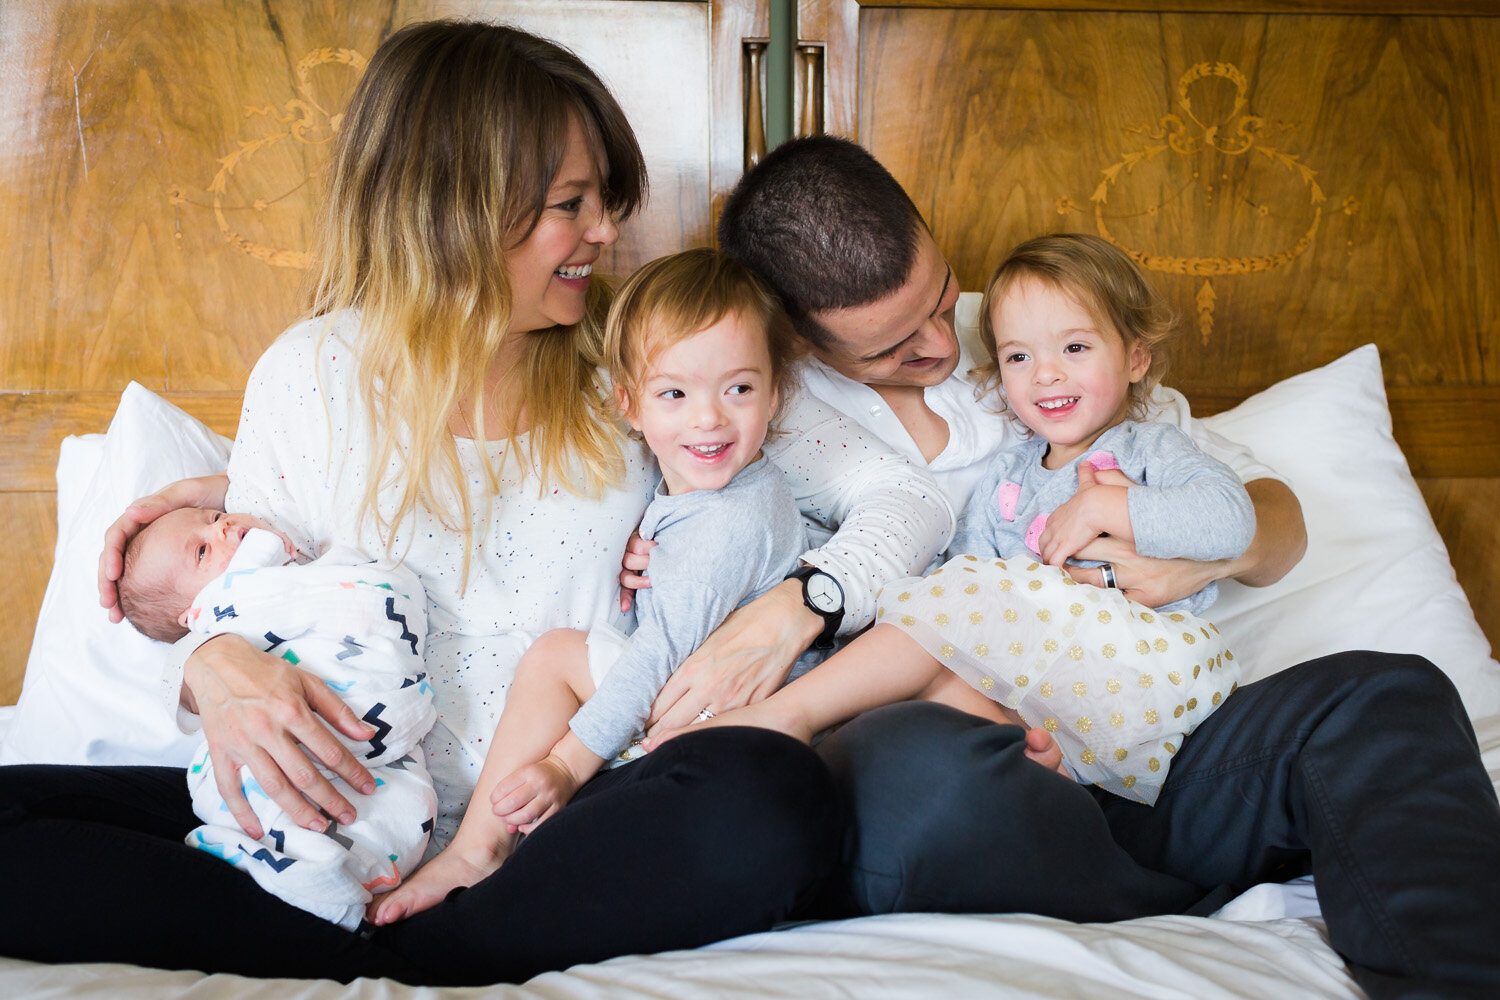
(531,794)
(1100,507)
(1069,528)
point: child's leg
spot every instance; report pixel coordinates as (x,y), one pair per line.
(552,681)
(879,667)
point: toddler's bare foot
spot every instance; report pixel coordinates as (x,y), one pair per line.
(1041,748)
(761,715)
(431,883)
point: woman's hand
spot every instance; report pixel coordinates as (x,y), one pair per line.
(633,569)
(261,712)
(742,661)
(207,491)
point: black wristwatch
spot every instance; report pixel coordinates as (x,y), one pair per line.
(824,598)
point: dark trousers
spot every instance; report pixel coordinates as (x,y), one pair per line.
(719,833)
(1360,768)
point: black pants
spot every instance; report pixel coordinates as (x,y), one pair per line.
(719,833)
(1360,768)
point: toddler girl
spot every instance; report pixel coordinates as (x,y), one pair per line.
(697,348)
(1075,336)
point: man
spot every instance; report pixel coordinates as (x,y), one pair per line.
(1360,768)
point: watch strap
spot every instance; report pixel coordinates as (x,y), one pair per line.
(831,619)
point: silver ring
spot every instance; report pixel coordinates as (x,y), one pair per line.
(1108,570)
(704,715)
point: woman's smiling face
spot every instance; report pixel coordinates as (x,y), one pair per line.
(549,270)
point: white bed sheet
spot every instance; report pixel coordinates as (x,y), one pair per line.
(1269,942)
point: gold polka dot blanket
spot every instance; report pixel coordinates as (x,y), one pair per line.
(1117,684)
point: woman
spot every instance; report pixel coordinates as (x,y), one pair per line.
(442,405)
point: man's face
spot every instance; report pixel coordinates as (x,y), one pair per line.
(905,339)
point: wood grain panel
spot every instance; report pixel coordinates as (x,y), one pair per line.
(1445,432)
(1353,194)
(1424,7)
(36,423)
(1464,510)
(732,24)
(30,520)
(159,165)
(162,161)
(1004,119)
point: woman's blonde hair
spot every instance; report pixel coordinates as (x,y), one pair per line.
(1101,278)
(442,166)
(674,297)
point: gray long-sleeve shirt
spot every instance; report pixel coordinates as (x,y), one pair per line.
(1187,506)
(715,550)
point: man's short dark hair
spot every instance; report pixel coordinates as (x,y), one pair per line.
(825,224)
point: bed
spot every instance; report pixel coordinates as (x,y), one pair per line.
(1333,259)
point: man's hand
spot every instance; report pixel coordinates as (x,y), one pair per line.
(1152,582)
(261,712)
(1280,540)
(742,661)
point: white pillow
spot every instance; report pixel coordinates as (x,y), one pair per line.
(1376,574)
(90,692)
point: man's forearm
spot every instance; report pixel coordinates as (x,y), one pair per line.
(1280,535)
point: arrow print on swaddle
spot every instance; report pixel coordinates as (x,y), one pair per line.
(383,729)
(278,865)
(407,634)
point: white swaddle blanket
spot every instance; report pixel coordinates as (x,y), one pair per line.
(360,628)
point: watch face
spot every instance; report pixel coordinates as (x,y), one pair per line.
(824,593)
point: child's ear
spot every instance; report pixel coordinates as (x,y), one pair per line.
(182,619)
(1140,361)
(622,400)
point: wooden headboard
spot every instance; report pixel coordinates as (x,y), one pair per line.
(1303,178)
(158,177)
(1300,177)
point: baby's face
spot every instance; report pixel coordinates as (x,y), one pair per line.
(190,546)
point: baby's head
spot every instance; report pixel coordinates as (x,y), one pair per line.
(700,352)
(174,557)
(1052,286)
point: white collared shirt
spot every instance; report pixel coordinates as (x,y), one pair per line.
(976,432)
